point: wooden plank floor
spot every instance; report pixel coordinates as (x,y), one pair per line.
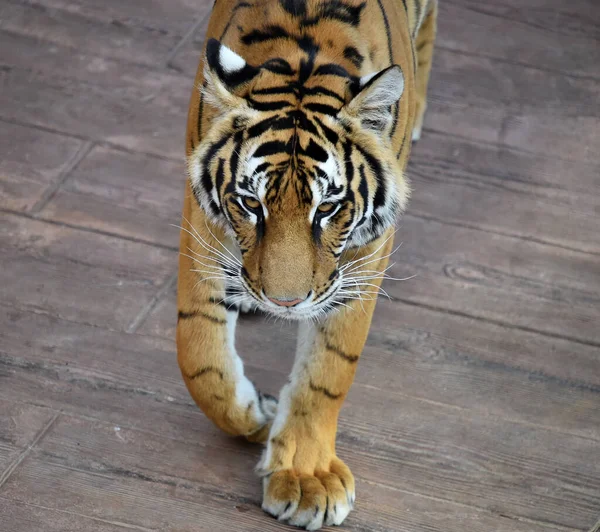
(477,403)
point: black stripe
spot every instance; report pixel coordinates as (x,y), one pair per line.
(363,186)
(348,162)
(402,144)
(337,10)
(261,127)
(423,44)
(207,183)
(373,162)
(201,111)
(331,135)
(204,371)
(279,66)
(272,147)
(388,33)
(349,358)
(322,91)
(300,120)
(353,55)
(322,108)
(198,314)
(324,391)
(275,90)
(220,177)
(296,8)
(314,151)
(268,105)
(238,6)
(331,69)
(234,160)
(267,34)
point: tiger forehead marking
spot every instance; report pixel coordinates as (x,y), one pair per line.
(303,122)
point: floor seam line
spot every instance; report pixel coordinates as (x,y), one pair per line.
(116,523)
(25,453)
(86,229)
(175,50)
(72,164)
(587,343)
(137,322)
(554,526)
(502,60)
(500,233)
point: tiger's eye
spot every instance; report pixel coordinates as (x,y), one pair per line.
(325,207)
(251,203)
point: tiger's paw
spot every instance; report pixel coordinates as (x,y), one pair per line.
(268,407)
(307,500)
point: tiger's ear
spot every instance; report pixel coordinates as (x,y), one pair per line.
(377,93)
(224,71)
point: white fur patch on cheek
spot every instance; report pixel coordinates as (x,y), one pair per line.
(317,198)
(194,169)
(215,196)
(229,60)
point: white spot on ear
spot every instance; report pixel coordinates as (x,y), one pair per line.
(365,79)
(229,60)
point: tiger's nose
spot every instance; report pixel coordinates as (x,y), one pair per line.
(287,302)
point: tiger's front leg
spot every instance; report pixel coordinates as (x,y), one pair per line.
(304,482)
(211,368)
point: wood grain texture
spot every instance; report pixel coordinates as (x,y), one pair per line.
(19,425)
(31,161)
(477,399)
(411,429)
(77,275)
(32,518)
(123,193)
(93,97)
(536,111)
(136,31)
(189,486)
(544,34)
(507,191)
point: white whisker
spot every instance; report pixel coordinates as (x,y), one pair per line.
(200,240)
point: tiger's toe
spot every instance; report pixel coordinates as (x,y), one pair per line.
(310,501)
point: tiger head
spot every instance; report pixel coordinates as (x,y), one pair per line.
(297,166)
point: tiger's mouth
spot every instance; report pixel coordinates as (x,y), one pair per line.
(315,306)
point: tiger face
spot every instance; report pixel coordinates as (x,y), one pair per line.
(298,169)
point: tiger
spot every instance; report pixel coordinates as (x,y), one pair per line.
(299,130)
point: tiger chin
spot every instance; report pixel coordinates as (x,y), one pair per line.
(299,131)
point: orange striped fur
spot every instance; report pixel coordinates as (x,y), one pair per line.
(298,136)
